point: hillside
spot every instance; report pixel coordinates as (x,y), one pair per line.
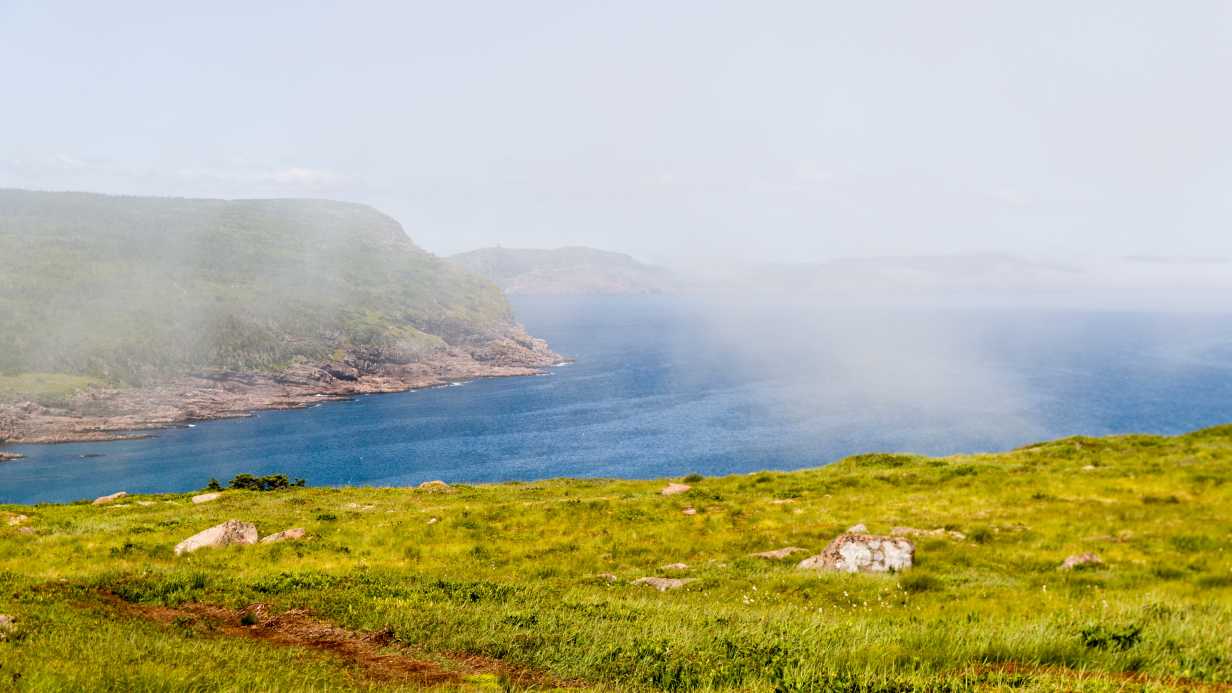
(564,271)
(125,292)
(532,584)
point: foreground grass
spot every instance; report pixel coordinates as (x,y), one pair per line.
(510,573)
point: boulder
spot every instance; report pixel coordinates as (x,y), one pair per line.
(285,535)
(104,500)
(778,553)
(16,520)
(206,497)
(436,485)
(229,532)
(663,584)
(863,553)
(674,488)
(1082,560)
(857,529)
(8,624)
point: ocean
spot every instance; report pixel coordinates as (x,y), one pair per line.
(665,386)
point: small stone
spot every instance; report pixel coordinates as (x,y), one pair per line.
(8,624)
(1082,560)
(104,500)
(229,532)
(285,535)
(206,497)
(436,485)
(146,504)
(1089,468)
(15,520)
(674,488)
(433,520)
(939,532)
(663,584)
(607,577)
(863,553)
(857,529)
(675,566)
(689,511)
(25,530)
(779,553)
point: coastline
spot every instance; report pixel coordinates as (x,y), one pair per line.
(111,414)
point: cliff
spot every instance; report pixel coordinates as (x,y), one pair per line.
(123,312)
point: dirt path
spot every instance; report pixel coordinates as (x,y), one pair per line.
(374,654)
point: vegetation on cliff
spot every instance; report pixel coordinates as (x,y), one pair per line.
(531,583)
(131,290)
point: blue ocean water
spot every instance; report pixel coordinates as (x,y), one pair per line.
(665,386)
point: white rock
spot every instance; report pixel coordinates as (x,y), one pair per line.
(857,529)
(674,488)
(229,532)
(206,497)
(104,500)
(863,553)
(675,566)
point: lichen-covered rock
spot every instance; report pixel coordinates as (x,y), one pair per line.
(285,535)
(863,553)
(663,584)
(229,532)
(8,624)
(674,488)
(104,500)
(1082,560)
(206,497)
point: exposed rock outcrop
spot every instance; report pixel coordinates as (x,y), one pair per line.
(674,488)
(663,584)
(226,534)
(436,485)
(206,497)
(292,534)
(863,553)
(104,500)
(1082,560)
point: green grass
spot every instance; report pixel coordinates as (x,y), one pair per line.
(511,572)
(44,387)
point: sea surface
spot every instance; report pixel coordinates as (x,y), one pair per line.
(667,386)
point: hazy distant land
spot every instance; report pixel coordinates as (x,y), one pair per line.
(566,271)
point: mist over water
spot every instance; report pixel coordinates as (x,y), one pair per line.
(715,384)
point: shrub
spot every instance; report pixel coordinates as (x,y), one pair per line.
(693,478)
(1100,637)
(272,482)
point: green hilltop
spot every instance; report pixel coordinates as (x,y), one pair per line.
(130,290)
(532,585)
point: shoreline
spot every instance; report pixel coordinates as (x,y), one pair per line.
(115,414)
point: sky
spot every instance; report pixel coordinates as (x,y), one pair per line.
(769,132)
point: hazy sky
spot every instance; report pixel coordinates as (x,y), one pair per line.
(763,130)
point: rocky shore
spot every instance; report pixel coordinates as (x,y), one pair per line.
(99,414)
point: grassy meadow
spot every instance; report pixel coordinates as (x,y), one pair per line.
(504,586)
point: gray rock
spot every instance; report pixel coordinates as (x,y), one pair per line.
(675,566)
(229,532)
(8,624)
(857,529)
(689,511)
(436,485)
(104,500)
(206,497)
(674,488)
(863,553)
(285,535)
(663,584)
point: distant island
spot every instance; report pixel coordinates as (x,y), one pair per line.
(565,271)
(122,313)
